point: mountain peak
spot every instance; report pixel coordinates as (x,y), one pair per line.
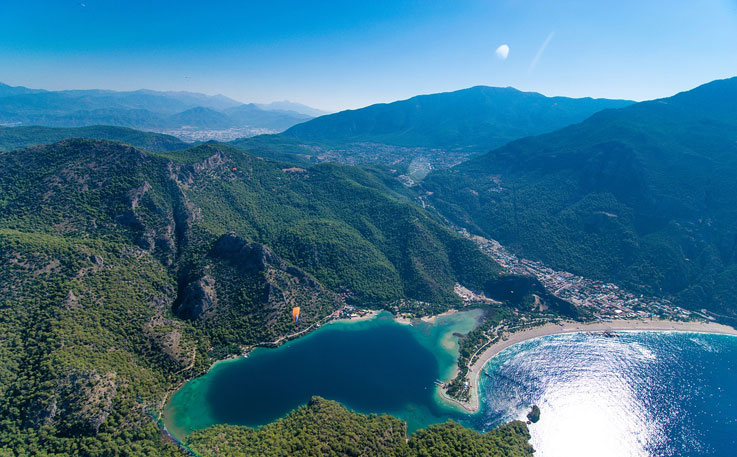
(478,118)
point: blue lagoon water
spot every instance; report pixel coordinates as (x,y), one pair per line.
(375,366)
(636,394)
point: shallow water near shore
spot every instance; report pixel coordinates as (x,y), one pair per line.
(635,394)
(373,366)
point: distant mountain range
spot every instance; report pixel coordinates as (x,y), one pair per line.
(474,119)
(141,109)
(286,105)
(644,195)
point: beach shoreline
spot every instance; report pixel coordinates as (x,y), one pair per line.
(426,319)
(370,314)
(246,350)
(617,325)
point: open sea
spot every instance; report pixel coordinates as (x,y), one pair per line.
(635,394)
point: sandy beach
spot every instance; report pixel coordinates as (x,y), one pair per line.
(432,319)
(370,314)
(511,339)
(426,319)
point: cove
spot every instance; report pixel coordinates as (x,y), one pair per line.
(372,366)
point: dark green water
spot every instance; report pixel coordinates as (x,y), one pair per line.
(375,366)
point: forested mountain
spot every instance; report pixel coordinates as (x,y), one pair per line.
(475,119)
(644,195)
(6,90)
(124,272)
(21,137)
(141,109)
(326,428)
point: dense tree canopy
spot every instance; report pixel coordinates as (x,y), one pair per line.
(325,428)
(125,272)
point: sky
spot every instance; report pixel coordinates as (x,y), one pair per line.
(349,54)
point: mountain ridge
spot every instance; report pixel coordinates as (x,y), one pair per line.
(471,112)
(143,109)
(650,186)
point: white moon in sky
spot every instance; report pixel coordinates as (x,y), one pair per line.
(502,52)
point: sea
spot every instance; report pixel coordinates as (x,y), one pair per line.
(634,394)
(631,394)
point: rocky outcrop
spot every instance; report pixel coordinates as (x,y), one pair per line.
(210,163)
(168,336)
(71,301)
(136,194)
(255,280)
(198,300)
(254,256)
(244,254)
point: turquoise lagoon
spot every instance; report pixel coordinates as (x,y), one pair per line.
(371,366)
(634,395)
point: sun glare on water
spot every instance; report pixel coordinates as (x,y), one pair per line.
(594,412)
(591,393)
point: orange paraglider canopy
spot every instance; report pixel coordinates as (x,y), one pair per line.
(295,314)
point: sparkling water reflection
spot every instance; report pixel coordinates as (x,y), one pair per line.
(636,394)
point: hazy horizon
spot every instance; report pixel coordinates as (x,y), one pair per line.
(348,56)
(328,111)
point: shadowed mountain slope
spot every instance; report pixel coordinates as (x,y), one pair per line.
(645,195)
(474,119)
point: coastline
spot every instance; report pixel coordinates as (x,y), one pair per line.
(370,314)
(246,349)
(426,335)
(426,319)
(510,339)
(161,408)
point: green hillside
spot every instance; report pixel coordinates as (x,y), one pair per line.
(278,147)
(326,428)
(22,137)
(126,272)
(645,195)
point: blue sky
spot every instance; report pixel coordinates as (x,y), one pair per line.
(336,55)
